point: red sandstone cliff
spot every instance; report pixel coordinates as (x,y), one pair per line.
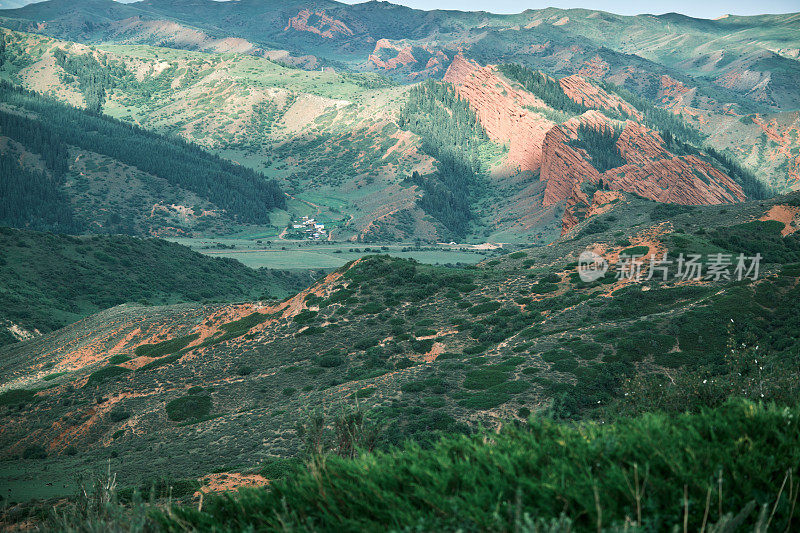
(536,143)
(404,57)
(590,95)
(502,111)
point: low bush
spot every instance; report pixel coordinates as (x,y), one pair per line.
(34,451)
(189,407)
(16,397)
(109,373)
(119,359)
(165,347)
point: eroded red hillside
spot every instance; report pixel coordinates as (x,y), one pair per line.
(423,63)
(503,111)
(509,115)
(319,23)
(590,95)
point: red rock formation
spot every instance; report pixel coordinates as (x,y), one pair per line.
(580,207)
(684,180)
(785,133)
(590,95)
(502,111)
(323,25)
(640,145)
(564,167)
(403,57)
(536,143)
(651,171)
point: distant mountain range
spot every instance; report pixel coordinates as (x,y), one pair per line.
(543,118)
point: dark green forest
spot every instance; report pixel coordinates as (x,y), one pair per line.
(242,192)
(451,134)
(34,199)
(601,145)
(543,86)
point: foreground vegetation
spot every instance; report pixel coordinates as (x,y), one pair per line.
(716,470)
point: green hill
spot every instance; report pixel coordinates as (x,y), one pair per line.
(49,281)
(48,133)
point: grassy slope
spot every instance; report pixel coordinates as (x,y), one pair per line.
(49,280)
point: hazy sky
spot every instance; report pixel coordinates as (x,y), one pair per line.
(694,8)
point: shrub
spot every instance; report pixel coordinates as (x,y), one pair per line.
(165,347)
(119,359)
(280,467)
(34,451)
(189,407)
(635,251)
(304,317)
(366,343)
(109,373)
(16,397)
(422,346)
(117,414)
(485,378)
(330,361)
(486,307)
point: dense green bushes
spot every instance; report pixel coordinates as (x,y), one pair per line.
(737,453)
(17,397)
(109,373)
(762,237)
(48,281)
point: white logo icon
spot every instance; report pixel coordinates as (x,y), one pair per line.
(591,266)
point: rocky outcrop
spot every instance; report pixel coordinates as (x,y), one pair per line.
(595,67)
(420,62)
(580,207)
(640,145)
(319,23)
(650,171)
(507,113)
(590,95)
(403,57)
(564,167)
(686,180)
(503,110)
